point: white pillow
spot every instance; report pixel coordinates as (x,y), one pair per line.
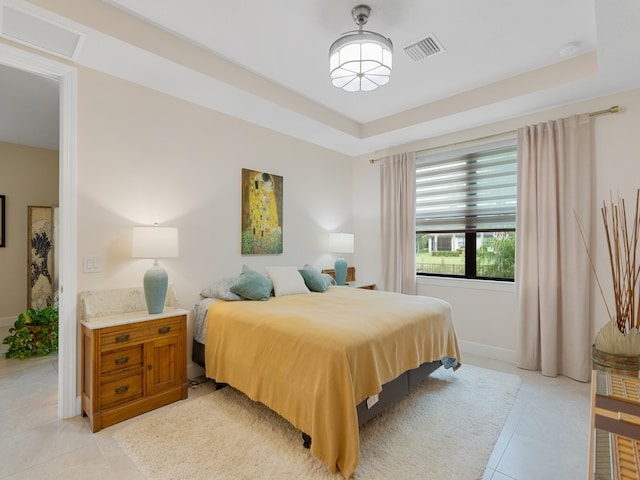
(286,281)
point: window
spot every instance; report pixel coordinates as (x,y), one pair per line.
(466,212)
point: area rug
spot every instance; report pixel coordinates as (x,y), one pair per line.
(445,429)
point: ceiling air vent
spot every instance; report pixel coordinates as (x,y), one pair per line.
(424,48)
(36,32)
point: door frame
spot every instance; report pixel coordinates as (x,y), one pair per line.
(66,75)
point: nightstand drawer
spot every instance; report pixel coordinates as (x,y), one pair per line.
(140,333)
(121,390)
(121,359)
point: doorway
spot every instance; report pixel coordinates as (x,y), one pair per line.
(68,400)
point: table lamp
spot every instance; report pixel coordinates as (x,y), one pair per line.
(341,243)
(155,242)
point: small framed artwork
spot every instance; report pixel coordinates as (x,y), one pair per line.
(40,281)
(2,221)
(261,213)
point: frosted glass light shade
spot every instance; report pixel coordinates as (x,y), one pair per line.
(360,60)
(155,242)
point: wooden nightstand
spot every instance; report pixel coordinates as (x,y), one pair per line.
(132,363)
(351,279)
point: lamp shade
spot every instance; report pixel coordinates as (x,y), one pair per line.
(155,242)
(341,242)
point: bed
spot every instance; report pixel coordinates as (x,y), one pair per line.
(326,362)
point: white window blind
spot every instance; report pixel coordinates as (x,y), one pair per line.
(472,189)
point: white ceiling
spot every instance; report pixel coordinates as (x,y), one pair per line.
(28,109)
(485,41)
(501,60)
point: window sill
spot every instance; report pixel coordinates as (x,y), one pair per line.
(466,283)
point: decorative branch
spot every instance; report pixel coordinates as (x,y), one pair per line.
(623,253)
(622,247)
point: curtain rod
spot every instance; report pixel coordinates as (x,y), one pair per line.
(612,109)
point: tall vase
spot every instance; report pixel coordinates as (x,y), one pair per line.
(340,268)
(155,283)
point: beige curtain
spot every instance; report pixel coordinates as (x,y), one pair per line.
(552,268)
(398,218)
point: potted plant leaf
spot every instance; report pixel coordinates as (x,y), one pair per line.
(617,344)
(34,333)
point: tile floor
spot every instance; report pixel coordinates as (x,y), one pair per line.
(545,435)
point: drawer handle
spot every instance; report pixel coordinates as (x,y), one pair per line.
(122,338)
(122,389)
(122,360)
(164,329)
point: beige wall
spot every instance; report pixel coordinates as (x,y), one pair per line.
(146,157)
(485,314)
(29,176)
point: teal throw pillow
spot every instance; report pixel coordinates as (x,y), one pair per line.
(251,285)
(313,279)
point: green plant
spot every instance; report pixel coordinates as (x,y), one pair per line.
(496,256)
(34,333)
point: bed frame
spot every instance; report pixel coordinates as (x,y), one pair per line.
(392,392)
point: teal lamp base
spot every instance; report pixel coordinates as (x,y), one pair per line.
(340,268)
(155,283)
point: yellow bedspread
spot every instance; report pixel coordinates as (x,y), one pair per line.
(313,357)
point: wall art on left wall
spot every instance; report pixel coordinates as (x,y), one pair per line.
(2,221)
(40,282)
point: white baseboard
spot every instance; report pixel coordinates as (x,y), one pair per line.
(488,351)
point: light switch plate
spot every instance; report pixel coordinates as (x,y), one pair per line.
(92,263)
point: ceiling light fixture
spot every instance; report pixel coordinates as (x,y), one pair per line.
(359,59)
